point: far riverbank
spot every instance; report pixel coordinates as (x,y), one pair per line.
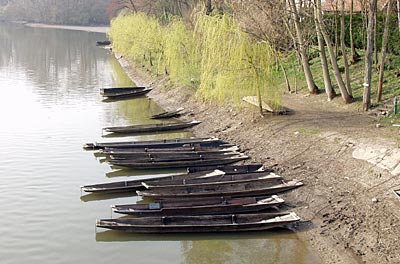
(97,29)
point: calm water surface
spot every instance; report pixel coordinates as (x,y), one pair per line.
(50,80)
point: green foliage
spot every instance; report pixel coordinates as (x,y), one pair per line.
(217,57)
(359,31)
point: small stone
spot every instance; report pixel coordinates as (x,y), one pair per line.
(297,132)
(375,200)
(346,178)
(378,125)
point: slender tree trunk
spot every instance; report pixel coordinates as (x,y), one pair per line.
(344,53)
(368,56)
(208,7)
(375,60)
(345,95)
(303,53)
(336,30)
(327,79)
(354,55)
(383,52)
(398,12)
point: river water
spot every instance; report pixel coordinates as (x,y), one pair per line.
(50,80)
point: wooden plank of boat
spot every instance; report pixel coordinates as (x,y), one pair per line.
(165,143)
(210,206)
(231,169)
(203,223)
(151,127)
(177,164)
(134,185)
(266,178)
(234,190)
(169,114)
(173,156)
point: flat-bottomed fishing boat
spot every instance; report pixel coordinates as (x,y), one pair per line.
(204,223)
(209,206)
(151,127)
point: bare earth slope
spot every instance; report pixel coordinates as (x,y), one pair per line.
(348,206)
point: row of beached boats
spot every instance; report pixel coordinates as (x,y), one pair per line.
(212,196)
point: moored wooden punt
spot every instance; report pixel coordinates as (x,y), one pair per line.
(135,185)
(213,205)
(133,92)
(151,127)
(189,149)
(231,169)
(258,179)
(173,156)
(164,143)
(120,90)
(177,164)
(167,114)
(133,153)
(103,43)
(234,190)
(203,223)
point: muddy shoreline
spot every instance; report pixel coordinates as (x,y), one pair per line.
(347,205)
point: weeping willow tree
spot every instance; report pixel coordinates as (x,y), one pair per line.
(232,64)
(180,54)
(137,36)
(216,57)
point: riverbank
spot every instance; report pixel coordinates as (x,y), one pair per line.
(349,211)
(97,29)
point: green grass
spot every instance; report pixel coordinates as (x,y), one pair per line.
(391,86)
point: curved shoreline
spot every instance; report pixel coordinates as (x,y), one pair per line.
(96,29)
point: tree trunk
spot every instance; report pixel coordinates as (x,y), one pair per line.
(344,54)
(345,95)
(383,52)
(327,79)
(354,55)
(336,30)
(398,12)
(208,7)
(375,60)
(368,56)
(302,48)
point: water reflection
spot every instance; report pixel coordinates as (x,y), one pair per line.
(60,63)
(274,246)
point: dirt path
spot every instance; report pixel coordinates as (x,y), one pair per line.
(348,206)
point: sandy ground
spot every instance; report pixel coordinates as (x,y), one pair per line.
(81,28)
(348,207)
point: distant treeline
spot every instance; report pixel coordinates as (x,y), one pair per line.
(71,12)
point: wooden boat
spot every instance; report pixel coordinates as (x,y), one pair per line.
(234,190)
(177,164)
(118,93)
(139,151)
(157,144)
(167,114)
(172,156)
(203,223)
(134,185)
(231,169)
(259,179)
(133,153)
(151,127)
(210,206)
(103,43)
